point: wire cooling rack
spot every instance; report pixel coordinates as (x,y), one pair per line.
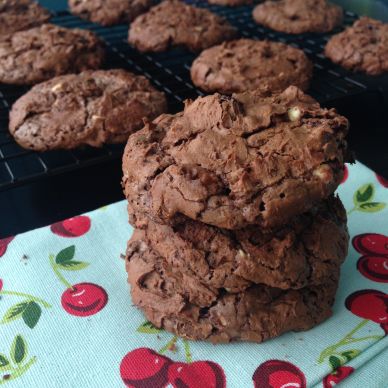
(169,72)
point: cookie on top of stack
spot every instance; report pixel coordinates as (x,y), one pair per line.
(238,234)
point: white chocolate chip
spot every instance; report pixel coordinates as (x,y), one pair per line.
(142,247)
(294,113)
(223,321)
(323,172)
(242,254)
(56,87)
(96,117)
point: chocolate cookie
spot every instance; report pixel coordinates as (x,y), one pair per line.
(298,16)
(174,23)
(253,158)
(38,54)
(175,303)
(230,3)
(362,47)
(94,107)
(109,12)
(303,253)
(18,15)
(246,64)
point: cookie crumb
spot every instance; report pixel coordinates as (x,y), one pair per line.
(122,256)
(24,259)
(173,348)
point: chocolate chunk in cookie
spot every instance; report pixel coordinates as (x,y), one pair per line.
(18,15)
(94,107)
(178,303)
(109,12)
(174,23)
(361,47)
(40,53)
(246,64)
(303,253)
(298,16)
(253,158)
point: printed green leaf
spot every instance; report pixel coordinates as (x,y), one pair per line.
(32,314)
(65,255)
(335,362)
(350,354)
(18,350)
(371,207)
(364,193)
(148,328)
(3,361)
(73,265)
(14,312)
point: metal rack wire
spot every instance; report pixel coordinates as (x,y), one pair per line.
(168,71)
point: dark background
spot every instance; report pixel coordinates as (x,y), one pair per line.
(65,195)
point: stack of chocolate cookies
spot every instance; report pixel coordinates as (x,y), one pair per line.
(238,234)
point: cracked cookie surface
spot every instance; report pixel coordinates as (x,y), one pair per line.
(247,64)
(253,158)
(94,107)
(41,53)
(109,12)
(258,313)
(361,47)
(18,15)
(174,23)
(298,16)
(303,253)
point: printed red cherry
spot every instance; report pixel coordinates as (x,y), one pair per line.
(143,368)
(334,378)
(383,181)
(369,304)
(4,244)
(346,174)
(278,374)
(197,374)
(84,299)
(1,284)
(374,268)
(371,244)
(72,227)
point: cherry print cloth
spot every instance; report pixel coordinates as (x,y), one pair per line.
(66,318)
